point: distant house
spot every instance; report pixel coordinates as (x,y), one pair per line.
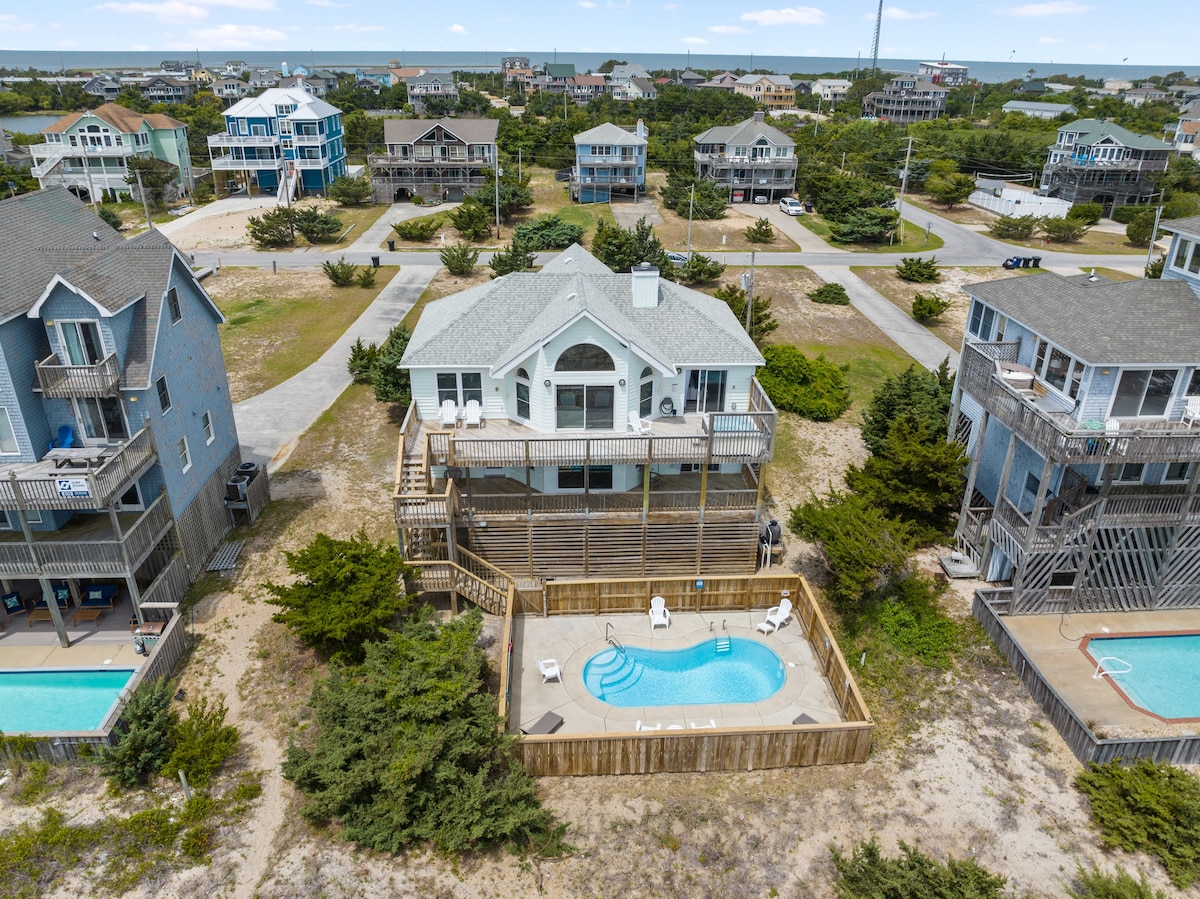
(89,152)
(310,86)
(723,82)
(445,158)
(583,88)
(1032,88)
(747,160)
(511,63)
(948,73)
(906,99)
(620,74)
(165,89)
(422,88)
(609,159)
(1183,138)
(263,78)
(104,86)
(282,137)
(769,91)
(1140,95)
(1099,162)
(382,75)
(635,89)
(401,74)
(688,78)
(831,90)
(1039,110)
(230,89)
(557,76)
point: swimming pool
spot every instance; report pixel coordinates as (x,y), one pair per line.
(1164,675)
(51,699)
(698,675)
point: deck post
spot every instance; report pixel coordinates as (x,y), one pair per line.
(985,557)
(55,613)
(1039,502)
(974,469)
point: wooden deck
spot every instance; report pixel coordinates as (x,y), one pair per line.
(43,485)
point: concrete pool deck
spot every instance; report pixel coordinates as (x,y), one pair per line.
(572,639)
(93,644)
(1052,643)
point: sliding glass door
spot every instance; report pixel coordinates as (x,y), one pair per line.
(584,407)
(706,390)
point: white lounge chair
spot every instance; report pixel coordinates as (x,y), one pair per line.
(550,670)
(638,425)
(776,617)
(1112,430)
(712,723)
(674,727)
(1191,413)
(473,414)
(449,414)
(641,726)
(660,615)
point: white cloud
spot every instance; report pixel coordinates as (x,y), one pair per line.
(457,29)
(695,41)
(243,4)
(12,23)
(904,15)
(233,37)
(327,4)
(587,4)
(726,29)
(1053,8)
(172,11)
(1050,40)
(792,15)
(357,28)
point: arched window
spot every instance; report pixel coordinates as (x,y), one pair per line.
(585,357)
(646,393)
(522,393)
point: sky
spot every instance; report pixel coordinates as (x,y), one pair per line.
(1080,31)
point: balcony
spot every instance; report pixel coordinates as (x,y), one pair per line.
(88,545)
(232,163)
(59,381)
(721,160)
(1038,419)
(44,485)
(243,140)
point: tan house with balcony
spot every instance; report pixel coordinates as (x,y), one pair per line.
(769,91)
(573,422)
(443,158)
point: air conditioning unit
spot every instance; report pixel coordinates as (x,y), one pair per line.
(235,488)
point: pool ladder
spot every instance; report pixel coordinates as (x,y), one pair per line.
(1101,671)
(611,638)
(724,644)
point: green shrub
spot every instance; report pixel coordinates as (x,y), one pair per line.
(813,388)
(1181,205)
(1150,807)
(830,294)
(317,226)
(1086,212)
(347,191)
(1096,884)
(417,230)
(760,232)
(1063,230)
(548,232)
(274,228)
(516,257)
(1009,227)
(916,270)
(1138,231)
(867,874)
(1125,214)
(418,200)
(696,198)
(700,269)
(110,217)
(203,741)
(391,382)
(147,733)
(203,192)
(927,306)
(916,625)
(366,277)
(951,188)
(362,357)
(1154,268)
(870,225)
(459,258)
(762,320)
(341,273)
(920,396)
(471,220)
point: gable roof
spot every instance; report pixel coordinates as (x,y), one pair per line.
(496,324)
(1190,226)
(472,131)
(263,106)
(781,80)
(646,87)
(560,69)
(608,133)
(1093,130)
(1139,322)
(123,119)
(1033,106)
(746,132)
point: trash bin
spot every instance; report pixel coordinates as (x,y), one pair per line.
(1037,261)
(808,207)
(1026,261)
(374,262)
(391,246)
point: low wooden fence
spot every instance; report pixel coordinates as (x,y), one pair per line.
(722,749)
(990,607)
(69,746)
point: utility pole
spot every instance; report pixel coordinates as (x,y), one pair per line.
(1154,234)
(748,286)
(145,205)
(691,207)
(903,187)
(497,180)
(817,120)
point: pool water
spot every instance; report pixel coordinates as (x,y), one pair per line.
(51,699)
(1165,675)
(698,675)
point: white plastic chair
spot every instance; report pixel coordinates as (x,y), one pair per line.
(449,414)
(1191,413)
(712,723)
(660,615)
(776,617)
(473,414)
(638,425)
(640,726)
(1112,430)
(549,669)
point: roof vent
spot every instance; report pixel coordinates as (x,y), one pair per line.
(1093,277)
(645,286)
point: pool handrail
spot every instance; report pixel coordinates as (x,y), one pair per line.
(1099,672)
(611,637)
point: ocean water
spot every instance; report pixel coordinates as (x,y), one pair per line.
(52,60)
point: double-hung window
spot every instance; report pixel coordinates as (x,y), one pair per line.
(460,387)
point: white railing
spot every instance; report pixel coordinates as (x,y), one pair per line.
(243,140)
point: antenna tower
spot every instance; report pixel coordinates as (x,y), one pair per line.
(875,43)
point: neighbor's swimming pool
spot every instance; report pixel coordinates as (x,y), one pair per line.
(698,675)
(40,700)
(1164,675)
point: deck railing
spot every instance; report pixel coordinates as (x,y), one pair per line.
(61,381)
(599,503)
(170,585)
(91,488)
(1057,436)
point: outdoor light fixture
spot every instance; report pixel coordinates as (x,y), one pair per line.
(547,382)
(621,382)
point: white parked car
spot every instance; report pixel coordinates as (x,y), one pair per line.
(791,206)
(762,199)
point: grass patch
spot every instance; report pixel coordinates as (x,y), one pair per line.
(361,217)
(279,324)
(869,364)
(962,213)
(1112,274)
(914,238)
(1096,243)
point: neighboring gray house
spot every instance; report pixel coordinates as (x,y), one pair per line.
(620,74)
(906,99)
(1039,110)
(442,159)
(609,159)
(635,88)
(1099,162)
(624,433)
(103,86)
(748,160)
(431,85)
(831,90)
(117,437)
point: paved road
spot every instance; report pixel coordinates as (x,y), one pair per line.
(270,424)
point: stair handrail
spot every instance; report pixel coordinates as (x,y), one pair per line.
(611,637)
